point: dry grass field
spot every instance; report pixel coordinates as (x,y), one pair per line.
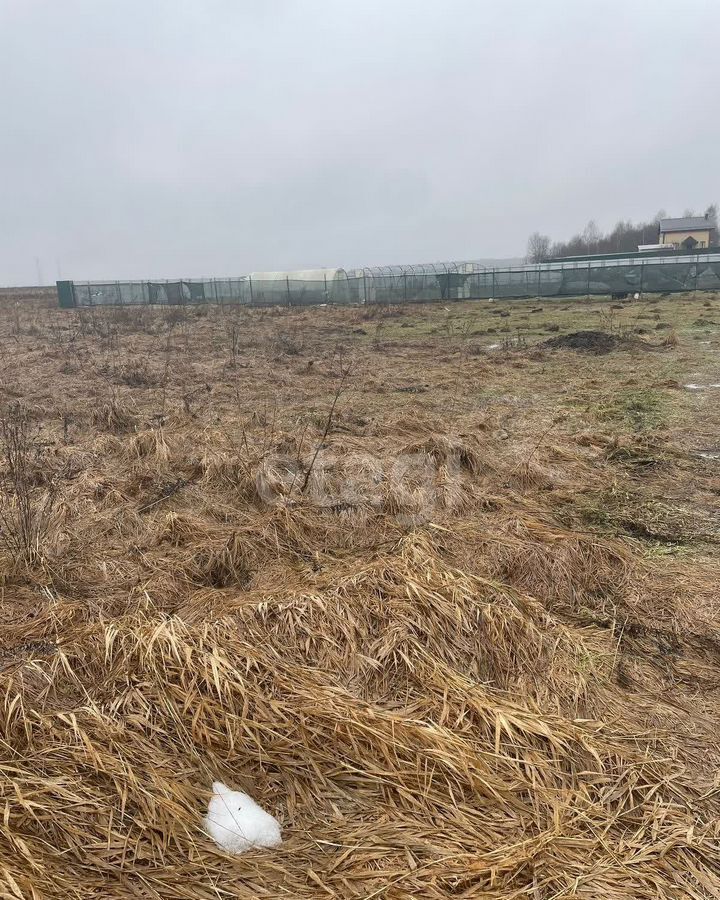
(438,586)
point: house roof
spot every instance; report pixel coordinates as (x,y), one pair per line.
(687,223)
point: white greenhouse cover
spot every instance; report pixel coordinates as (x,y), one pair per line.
(300,275)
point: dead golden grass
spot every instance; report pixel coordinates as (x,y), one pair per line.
(460,637)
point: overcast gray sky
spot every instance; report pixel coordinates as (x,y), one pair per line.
(207,137)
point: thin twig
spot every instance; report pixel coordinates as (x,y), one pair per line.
(328,423)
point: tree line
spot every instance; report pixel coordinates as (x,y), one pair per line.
(625,237)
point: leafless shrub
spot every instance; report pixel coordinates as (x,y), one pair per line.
(62,336)
(383,310)
(136,373)
(234,340)
(189,397)
(124,316)
(453,328)
(613,323)
(15,320)
(518,342)
(378,335)
(91,321)
(174,315)
(25,507)
(328,424)
(289,343)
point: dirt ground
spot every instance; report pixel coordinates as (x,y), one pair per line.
(438,585)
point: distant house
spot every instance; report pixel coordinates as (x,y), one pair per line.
(688,233)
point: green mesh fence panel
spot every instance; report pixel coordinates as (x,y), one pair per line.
(313,293)
(66,296)
(480,285)
(670,277)
(579,278)
(708,276)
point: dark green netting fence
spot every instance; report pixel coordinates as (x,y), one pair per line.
(464,281)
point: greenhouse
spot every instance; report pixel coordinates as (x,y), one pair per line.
(581,276)
(302,288)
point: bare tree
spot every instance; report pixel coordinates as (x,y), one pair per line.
(711,214)
(538,247)
(624,237)
(592,236)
